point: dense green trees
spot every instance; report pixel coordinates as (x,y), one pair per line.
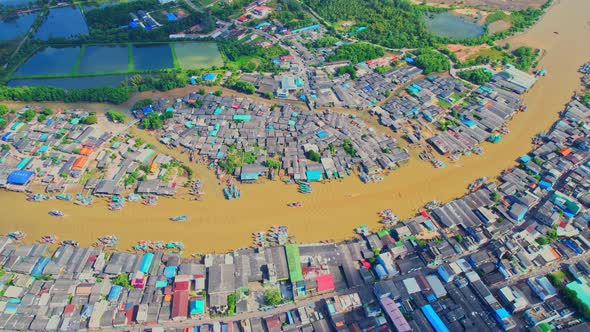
(272,296)
(477,76)
(525,56)
(431,61)
(90,120)
(348,69)
(116,116)
(313,156)
(356,52)
(391,23)
(271,163)
(241,86)
(153,121)
(116,95)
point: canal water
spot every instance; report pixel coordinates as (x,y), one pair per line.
(333,209)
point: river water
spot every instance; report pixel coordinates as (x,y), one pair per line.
(333,209)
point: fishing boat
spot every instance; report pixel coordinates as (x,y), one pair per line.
(17,235)
(70,243)
(83,200)
(364,177)
(362,230)
(134,197)
(179,218)
(227,194)
(48,239)
(64,197)
(56,213)
(108,241)
(35,198)
(151,200)
(295,204)
(504,131)
(495,138)
(432,204)
(438,163)
(477,184)
(117,203)
(478,150)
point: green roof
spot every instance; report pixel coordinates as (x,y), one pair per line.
(582,291)
(382,233)
(294,262)
(242,117)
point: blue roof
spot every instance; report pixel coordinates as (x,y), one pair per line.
(133,25)
(19,177)
(209,77)
(170,271)
(313,175)
(525,159)
(249,176)
(321,134)
(114,292)
(147,110)
(433,318)
(146,262)
(409,60)
(502,313)
(39,266)
(5,136)
(171,17)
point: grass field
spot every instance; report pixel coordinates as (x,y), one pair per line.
(197,55)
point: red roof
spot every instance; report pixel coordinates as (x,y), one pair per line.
(273,322)
(242,18)
(181,286)
(235,105)
(69,308)
(425,214)
(366,264)
(180,304)
(129,313)
(325,283)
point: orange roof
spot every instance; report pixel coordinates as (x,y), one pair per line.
(79,163)
(555,254)
(167,298)
(565,151)
(153,167)
(85,151)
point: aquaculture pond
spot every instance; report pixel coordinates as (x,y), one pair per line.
(15,2)
(17,26)
(148,57)
(71,82)
(50,61)
(63,22)
(195,55)
(447,25)
(105,59)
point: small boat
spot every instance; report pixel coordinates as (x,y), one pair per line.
(432,204)
(295,204)
(227,194)
(17,235)
(179,218)
(364,177)
(151,200)
(108,241)
(477,184)
(495,138)
(56,213)
(64,197)
(133,197)
(69,243)
(48,239)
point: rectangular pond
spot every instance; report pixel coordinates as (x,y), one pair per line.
(195,55)
(97,59)
(17,26)
(448,25)
(65,22)
(71,82)
(16,2)
(50,61)
(149,57)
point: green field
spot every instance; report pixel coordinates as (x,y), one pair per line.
(197,55)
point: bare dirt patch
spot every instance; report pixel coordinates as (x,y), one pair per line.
(498,26)
(463,52)
(489,4)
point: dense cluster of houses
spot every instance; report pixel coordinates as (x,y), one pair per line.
(219,123)
(62,150)
(487,252)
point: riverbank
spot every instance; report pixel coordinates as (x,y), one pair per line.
(334,208)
